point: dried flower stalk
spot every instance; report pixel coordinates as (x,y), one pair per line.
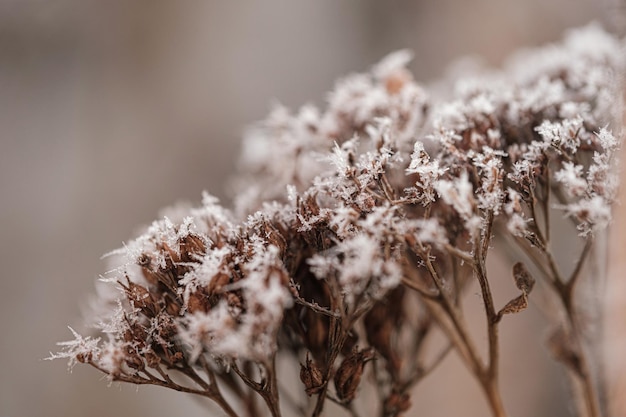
(353,222)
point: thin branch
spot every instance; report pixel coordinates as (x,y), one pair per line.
(424,292)
(534,217)
(461,254)
(571,282)
(316,307)
(546,206)
(246,379)
(464,343)
(138,380)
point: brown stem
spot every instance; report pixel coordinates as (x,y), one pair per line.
(335,342)
(208,391)
(424,292)
(571,283)
(492,316)
(489,378)
(490,387)
(546,206)
(449,307)
(271,390)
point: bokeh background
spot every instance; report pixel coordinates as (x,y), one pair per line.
(111,110)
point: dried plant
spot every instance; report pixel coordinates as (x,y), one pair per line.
(356,231)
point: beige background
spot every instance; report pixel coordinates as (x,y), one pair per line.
(111,110)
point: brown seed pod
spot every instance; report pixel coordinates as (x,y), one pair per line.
(311,377)
(140,297)
(348,376)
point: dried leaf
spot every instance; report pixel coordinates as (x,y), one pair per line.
(515,305)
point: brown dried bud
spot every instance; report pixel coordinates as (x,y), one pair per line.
(177,357)
(198,301)
(84,358)
(348,376)
(141,298)
(564,349)
(172,305)
(134,361)
(144,260)
(152,359)
(396,403)
(218,282)
(523,280)
(234,301)
(395,81)
(171,257)
(311,377)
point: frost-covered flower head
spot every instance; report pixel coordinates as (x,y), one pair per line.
(339,209)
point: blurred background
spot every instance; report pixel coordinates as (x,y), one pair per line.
(111,110)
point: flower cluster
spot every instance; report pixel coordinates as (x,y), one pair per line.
(345,218)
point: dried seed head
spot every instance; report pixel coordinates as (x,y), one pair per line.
(311,376)
(348,376)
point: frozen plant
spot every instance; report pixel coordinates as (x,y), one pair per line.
(356,231)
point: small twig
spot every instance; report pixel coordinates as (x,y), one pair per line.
(427,293)
(316,307)
(534,216)
(246,379)
(463,343)
(461,254)
(546,206)
(571,282)
(138,380)
(489,377)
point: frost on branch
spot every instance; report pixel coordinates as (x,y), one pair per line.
(339,211)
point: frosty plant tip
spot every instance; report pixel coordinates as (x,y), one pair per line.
(356,232)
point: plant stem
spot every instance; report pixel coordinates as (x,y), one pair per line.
(489,378)
(492,392)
